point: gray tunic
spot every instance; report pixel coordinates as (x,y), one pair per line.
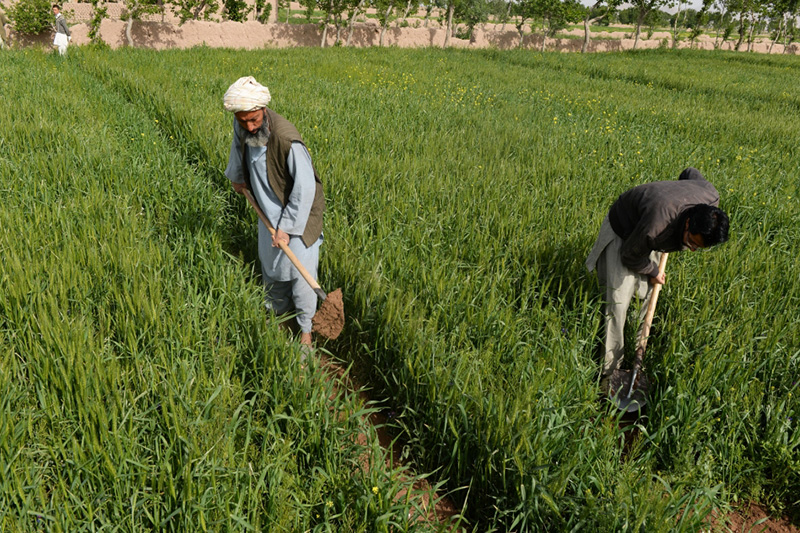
(292,218)
(61,25)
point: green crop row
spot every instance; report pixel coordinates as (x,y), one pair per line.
(465,189)
(142,387)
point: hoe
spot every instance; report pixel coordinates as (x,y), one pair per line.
(329,319)
(628,388)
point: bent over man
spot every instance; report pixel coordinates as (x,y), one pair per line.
(268,155)
(663,216)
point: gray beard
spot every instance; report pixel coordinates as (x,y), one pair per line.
(260,137)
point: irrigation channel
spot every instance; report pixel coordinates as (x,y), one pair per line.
(440,508)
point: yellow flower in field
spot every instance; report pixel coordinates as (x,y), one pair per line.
(374,490)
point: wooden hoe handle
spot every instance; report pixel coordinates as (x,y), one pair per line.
(651,308)
(285,247)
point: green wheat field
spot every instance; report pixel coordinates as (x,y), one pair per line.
(143,387)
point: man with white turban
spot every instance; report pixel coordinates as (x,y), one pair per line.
(268,155)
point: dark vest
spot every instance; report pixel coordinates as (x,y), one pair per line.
(282,135)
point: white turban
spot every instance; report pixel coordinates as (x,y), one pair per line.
(246,94)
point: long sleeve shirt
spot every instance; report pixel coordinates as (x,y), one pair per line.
(291,218)
(648,217)
(61,25)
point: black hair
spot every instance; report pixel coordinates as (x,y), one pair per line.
(709,221)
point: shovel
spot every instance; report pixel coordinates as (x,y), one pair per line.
(628,388)
(329,318)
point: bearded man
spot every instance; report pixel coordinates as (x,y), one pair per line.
(268,157)
(662,216)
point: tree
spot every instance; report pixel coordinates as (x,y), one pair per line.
(236,10)
(284,4)
(500,10)
(355,10)
(700,22)
(384,9)
(593,15)
(523,12)
(194,9)
(134,9)
(334,11)
(784,11)
(792,33)
(31,17)
(411,7)
(99,12)
(264,11)
(557,14)
(723,22)
(643,7)
(470,13)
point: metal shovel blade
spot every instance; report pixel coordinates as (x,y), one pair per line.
(624,397)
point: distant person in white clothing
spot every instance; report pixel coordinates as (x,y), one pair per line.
(63,36)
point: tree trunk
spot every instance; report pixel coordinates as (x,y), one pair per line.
(405,12)
(128,28)
(451,7)
(777,36)
(750,35)
(721,22)
(587,33)
(639,21)
(544,34)
(325,31)
(352,21)
(741,32)
(508,16)
(197,10)
(386,23)
(677,25)
(520,29)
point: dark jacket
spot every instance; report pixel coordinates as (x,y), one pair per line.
(649,217)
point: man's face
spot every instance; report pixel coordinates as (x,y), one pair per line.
(55,11)
(692,241)
(250,120)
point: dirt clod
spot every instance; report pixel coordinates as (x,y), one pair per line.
(329,319)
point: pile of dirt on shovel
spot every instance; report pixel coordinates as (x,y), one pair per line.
(329,319)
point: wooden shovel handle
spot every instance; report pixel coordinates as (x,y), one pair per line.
(651,310)
(285,247)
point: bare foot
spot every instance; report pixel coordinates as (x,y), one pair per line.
(305,339)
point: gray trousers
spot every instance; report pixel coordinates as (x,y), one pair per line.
(621,284)
(295,295)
